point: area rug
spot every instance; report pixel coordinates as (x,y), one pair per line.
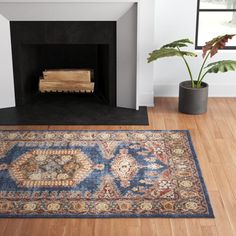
(86,174)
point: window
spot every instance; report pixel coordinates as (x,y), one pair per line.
(214,18)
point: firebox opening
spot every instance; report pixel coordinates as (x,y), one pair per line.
(49,57)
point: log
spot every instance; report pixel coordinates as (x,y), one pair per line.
(78,75)
(60,86)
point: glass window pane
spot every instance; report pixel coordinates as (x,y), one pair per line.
(212,24)
(217,4)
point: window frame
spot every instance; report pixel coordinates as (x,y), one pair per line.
(197,24)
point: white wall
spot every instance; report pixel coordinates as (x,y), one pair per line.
(176,20)
(7,95)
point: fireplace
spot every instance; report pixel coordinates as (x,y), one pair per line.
(39,46)
(109,37)
(135,26)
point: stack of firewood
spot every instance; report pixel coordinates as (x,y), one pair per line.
(77,80)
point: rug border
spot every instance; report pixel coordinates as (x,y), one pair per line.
(197,165)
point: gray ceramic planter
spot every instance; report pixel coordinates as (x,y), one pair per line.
(193,100)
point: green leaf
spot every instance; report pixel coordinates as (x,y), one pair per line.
(179,43)
(168,52)
(221,66)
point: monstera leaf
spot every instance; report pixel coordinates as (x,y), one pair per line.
(178,44)
(221,66)
(215,44)
(168,52)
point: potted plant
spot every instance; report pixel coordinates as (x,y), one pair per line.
(193,93)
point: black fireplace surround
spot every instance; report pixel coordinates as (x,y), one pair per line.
(40,45)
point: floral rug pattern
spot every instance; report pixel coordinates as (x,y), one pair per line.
(100,174)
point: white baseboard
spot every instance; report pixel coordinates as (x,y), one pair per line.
(163,90)
(215,90)
(146,99)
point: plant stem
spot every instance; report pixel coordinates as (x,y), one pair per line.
(200,81)
(188,67)
(200,77)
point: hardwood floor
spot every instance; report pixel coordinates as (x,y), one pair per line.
(214,138)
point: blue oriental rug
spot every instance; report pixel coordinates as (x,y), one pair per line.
(100,174)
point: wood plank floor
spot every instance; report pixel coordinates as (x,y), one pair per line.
(214,137)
